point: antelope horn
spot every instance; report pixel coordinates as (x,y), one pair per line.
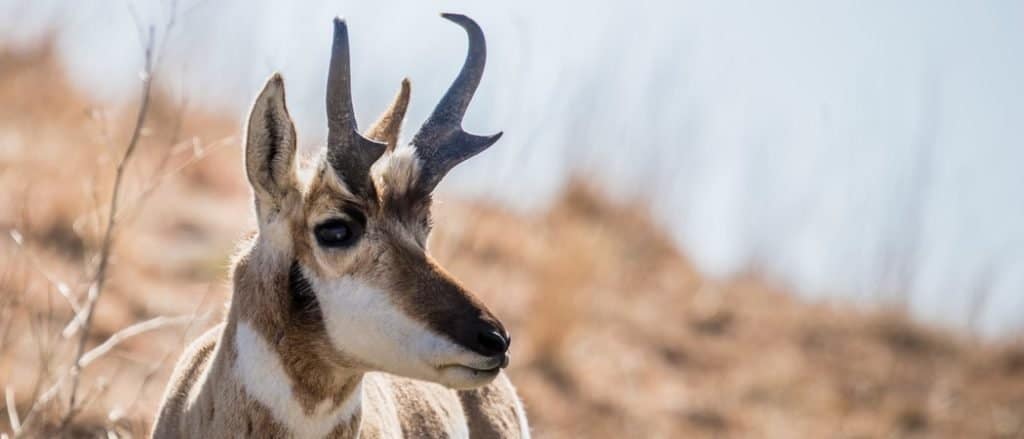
(389,125)
(348,152)
(441,143)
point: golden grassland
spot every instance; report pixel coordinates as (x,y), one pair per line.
(616,334)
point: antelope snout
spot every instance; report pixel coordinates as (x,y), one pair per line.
(458,315)
(488,338)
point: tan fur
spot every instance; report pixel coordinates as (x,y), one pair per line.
(209,394)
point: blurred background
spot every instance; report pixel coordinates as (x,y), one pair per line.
(739,219)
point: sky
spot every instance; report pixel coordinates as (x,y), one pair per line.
(861,150)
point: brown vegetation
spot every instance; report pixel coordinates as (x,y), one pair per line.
(615,334)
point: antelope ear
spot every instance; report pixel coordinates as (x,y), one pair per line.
(270,151)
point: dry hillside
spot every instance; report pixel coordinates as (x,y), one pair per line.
(616,334)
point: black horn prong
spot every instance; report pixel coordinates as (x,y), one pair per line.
(456,99)
(340,117)
(442,143)
(348,152)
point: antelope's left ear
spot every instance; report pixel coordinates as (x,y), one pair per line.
(270,152)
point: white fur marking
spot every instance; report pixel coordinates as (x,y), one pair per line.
(460,429)
(363,321)
(397,171)
(261,372)
(524,425)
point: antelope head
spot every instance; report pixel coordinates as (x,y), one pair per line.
(355,235)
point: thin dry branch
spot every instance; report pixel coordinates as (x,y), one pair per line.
(108,237)
(38,404)
(198,154)
(132,331)
(84,310)
(33,261)
(155,367)
(12,410)
(8,303)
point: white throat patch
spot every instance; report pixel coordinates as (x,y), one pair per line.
(262,374)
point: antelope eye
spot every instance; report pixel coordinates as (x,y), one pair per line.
(337,233)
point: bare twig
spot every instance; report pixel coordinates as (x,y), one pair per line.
(132,331)
(8,304)
(78,320)
(39,403)
(156,366)
(108,236)
(72,327)
(107,347)
(39,331)
(12,410)
(84,308)
(199,153)
(92,355)
(33,261)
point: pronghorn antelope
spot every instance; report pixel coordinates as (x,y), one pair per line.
(340,323)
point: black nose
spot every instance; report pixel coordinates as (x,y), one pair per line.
(491,343)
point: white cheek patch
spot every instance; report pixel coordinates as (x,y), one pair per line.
(260,370)
(362,321)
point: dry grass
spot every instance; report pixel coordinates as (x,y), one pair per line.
(616,335)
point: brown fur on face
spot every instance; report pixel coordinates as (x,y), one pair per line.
(391,253)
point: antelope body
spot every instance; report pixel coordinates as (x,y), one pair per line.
(340,323)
